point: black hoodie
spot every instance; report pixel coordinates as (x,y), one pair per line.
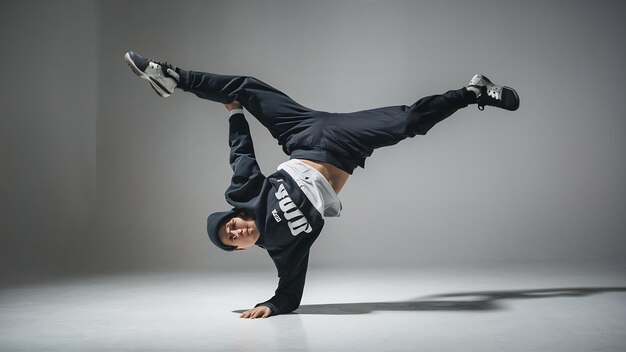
(286,219)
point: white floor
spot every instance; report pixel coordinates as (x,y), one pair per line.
(495,309)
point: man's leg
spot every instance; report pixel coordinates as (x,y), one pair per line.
(359,133)
(363,131)
(273,108)
(280,114)
(428,111)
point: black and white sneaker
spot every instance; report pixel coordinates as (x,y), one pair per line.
(162,76)
(494,95)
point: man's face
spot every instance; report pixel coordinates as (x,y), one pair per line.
(240,232)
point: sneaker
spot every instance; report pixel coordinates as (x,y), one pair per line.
(494,95)
(162,76)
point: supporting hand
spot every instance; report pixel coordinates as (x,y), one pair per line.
(234,105)
(258,312)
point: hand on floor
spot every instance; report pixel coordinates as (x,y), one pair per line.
(257,312)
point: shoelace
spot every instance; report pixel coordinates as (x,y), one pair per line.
(164,67)
(493,91)
(163,64)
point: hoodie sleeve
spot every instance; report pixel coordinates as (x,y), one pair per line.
(290,286)
(247,177)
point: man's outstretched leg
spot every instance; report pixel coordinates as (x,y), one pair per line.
(359,133)
(273,108)
(428,111)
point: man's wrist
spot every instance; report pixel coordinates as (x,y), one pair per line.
(235,111)
(270,306)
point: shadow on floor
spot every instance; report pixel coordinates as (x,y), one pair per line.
(469,301)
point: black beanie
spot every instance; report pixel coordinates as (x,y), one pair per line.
(213,225)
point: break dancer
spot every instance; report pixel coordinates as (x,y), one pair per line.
(284,212)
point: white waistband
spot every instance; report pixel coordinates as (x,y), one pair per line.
(315,186)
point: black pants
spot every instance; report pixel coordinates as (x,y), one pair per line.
(341,139)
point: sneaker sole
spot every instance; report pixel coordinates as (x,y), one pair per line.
(158,88)
(516,98)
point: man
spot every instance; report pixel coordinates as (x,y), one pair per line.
(284,212)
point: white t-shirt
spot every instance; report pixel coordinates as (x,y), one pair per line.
(315,186)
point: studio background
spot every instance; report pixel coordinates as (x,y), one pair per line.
(99,175)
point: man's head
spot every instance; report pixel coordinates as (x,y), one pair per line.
(232,230)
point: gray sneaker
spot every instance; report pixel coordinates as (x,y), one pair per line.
(494,95)
(162,76)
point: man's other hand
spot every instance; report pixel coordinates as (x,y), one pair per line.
(258,312)
(234,105)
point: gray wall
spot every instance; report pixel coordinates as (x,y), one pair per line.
(543,184)
(47,135)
